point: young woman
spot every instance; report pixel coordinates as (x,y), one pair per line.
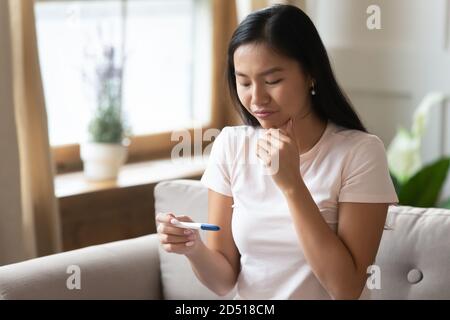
(312,227)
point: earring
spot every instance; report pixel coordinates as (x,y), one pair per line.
(313,91)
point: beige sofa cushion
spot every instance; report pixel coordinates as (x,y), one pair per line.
(183,197)
(127,269)
(414,257)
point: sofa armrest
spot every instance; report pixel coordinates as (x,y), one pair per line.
(127,269)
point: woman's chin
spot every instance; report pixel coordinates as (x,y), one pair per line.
(266,124)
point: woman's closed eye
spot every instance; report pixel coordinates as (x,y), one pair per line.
(274,82)
(267,82)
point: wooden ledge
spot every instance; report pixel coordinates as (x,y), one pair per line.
(135,174)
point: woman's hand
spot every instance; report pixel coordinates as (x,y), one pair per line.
(278,151)
(174,239)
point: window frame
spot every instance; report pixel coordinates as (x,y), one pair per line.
(66,158)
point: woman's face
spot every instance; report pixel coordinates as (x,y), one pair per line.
(272,87)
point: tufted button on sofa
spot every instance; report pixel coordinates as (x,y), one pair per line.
(414,276)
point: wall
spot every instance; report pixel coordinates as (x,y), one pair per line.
(387,72)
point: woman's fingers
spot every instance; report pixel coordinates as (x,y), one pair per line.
(278,135)
(177,248)
(267,146)
(167,217)
(166,224)
(184,219)
(164,228)
(264,144)
(264,156)
(167,238)
(164,218)
(175,239)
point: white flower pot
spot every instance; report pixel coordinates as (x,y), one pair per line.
(102,161)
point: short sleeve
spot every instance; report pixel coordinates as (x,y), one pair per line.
(365,176)
(217,175)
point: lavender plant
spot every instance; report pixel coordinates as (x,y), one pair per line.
(108,124)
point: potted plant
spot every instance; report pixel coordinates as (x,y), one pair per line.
(416,184)
(107,146)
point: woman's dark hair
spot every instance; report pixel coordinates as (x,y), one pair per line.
(290,32)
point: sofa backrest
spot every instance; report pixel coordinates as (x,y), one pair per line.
(414,254)
(413,260)
(182,197)
(125,269)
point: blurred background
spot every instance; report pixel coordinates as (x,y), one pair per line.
(82,80)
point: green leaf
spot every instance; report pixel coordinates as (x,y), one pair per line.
(423,189)
(108,125)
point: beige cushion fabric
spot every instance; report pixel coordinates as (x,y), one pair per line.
(126,269)
(183,197)
(414,257)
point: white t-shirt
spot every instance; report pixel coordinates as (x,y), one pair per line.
(343,166)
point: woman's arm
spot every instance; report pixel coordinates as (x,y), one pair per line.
(339,261)
(217,264)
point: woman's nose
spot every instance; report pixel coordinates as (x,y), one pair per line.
(260,96)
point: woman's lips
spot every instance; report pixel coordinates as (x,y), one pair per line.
(264,114)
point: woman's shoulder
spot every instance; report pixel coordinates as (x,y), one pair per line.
(351,143)
(353,149)
(352,137)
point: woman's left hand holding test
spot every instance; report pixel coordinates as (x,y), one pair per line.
(173,238)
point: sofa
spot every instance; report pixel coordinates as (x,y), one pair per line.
(413,260)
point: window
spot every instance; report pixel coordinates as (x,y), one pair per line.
(167,71)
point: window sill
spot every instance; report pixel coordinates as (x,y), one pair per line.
(135,174)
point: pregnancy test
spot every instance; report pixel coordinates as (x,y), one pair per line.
(195,225)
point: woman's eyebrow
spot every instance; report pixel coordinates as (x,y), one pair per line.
(264,73)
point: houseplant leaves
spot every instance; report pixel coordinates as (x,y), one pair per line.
(424,187)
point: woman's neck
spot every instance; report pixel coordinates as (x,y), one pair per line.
(308,131)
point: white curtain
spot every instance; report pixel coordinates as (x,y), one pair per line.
(29,220)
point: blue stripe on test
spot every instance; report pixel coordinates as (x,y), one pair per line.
(210,227)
